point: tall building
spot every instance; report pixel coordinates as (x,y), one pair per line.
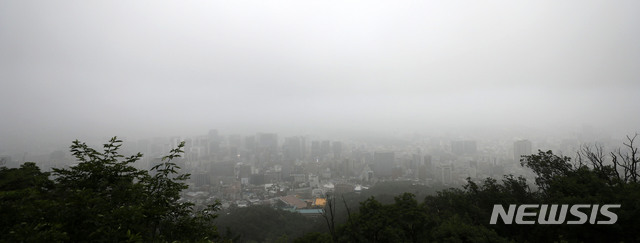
(426,170)
(466,147)
(446,176)
(315,150)
(201,179)
(213,141)
(235,140)
(520,148)
(268,141)
(336,147)
(293,148)
(325,148)
(383,163)
(250,143)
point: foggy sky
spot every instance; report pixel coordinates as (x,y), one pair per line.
(70,69)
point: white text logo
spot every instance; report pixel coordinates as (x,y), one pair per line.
(548,214)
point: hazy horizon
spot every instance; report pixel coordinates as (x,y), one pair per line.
(74,69)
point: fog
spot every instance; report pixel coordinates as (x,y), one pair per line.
(80,69)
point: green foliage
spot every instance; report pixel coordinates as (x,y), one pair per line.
(104,198)
(547,167)
(406,220)
(26,206)
(263,223)
(314,237)
(457,229)
(101,199)
(463,215)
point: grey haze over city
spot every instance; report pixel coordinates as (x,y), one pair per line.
(140,69)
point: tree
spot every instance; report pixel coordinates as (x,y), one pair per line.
(314,237)
(329,215)
(458,229)
(463,215)
(102,199)
(26,206)
(102,195)
(547,166)
(624,161)
(412,218)
(261,222)
(405,220)
(593,179)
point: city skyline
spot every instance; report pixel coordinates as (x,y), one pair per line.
(319,121)
(79,70)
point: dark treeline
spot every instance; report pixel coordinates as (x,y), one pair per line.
(463,214)
(268,224)
(103,198)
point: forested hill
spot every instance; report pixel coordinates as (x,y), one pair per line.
(104,199)
(464,215)
(101,199)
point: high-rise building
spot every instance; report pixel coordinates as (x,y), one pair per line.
(268,141)
(315,150)
(521,148)
(201,179)
(337,149)
(446,176)
(250,143)
(426,170)
(383,163)
(466,147)
(325,148)
(293,148)
(235,140)
(213,141)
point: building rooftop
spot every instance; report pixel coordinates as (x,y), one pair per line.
(320,202)
(292,200)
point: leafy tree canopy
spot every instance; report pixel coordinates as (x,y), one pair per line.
(101,199)
(463,214)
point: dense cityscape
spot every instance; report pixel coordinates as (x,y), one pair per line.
(319,121)
(298,172)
